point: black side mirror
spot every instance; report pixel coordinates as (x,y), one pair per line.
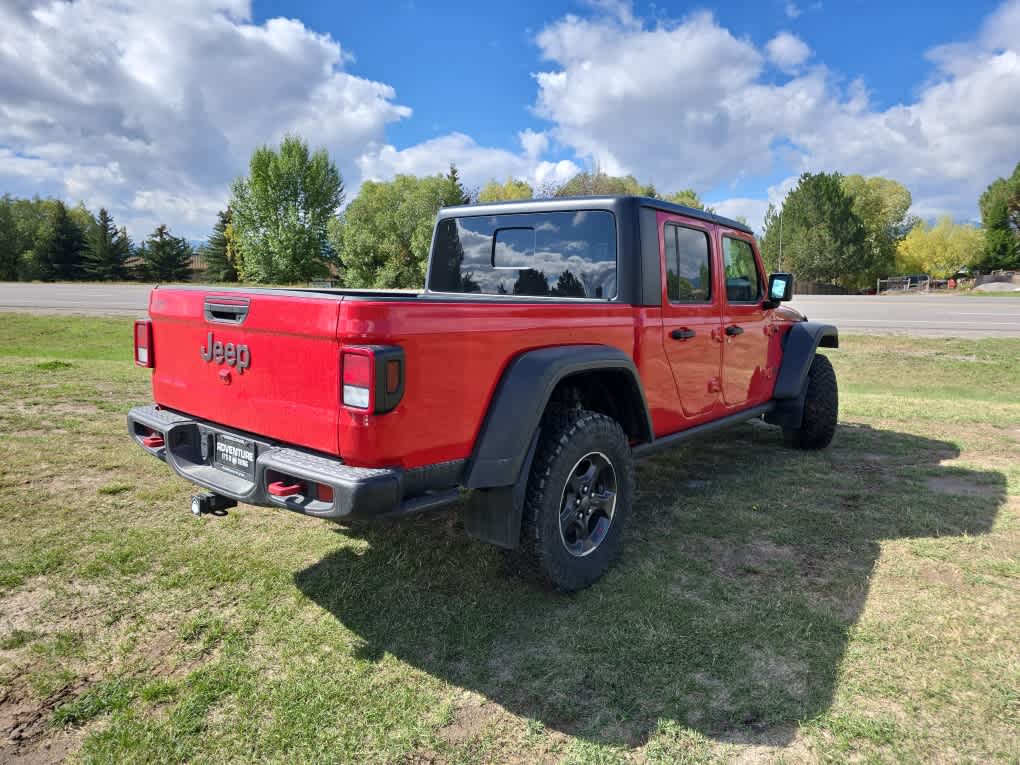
(780,289)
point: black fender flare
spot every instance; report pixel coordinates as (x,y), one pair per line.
(521,398)
(497,473)
(799,347)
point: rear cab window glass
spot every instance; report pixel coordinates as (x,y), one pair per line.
(688,265)
(554,254)
(743,282)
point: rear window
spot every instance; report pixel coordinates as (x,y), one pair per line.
(554,254)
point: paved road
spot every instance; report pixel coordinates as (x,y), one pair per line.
(93,299)
(933,315)
(930,315)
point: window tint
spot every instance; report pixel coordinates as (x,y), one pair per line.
(742,282)
(555,254)
(688,268)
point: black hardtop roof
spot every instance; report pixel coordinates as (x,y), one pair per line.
(565,204)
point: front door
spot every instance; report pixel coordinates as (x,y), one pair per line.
(745,335)
(691,315)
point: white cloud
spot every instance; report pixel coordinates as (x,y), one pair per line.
(153,108)
(476,164)
(688,104)
(792,11)
(752,210)
(787,51)
(18,166)
(534,144)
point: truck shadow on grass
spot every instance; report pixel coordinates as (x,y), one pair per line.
(746,567)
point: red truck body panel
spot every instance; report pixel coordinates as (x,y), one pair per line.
(290,390)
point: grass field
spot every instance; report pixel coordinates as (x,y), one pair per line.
(859,604)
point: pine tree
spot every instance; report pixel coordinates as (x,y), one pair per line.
(165,257)
(106,249)
(220,258)
(457,195)
(9,252)
(568,285)
(59,252)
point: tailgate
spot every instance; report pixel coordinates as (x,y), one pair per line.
(262,361)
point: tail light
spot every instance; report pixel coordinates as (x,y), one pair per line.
(372,377)
(143,343)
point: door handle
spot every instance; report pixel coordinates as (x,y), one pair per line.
(733,329)
(682,334)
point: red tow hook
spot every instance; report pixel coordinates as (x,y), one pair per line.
(281,489)
(155,441)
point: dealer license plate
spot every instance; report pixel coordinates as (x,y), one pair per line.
(234,455)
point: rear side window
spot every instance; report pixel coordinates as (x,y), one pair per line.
(743,284)
(688,268)
(554,254)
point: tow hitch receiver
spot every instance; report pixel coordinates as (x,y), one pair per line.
(211,504)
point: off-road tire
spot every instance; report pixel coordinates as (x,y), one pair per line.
(821,408)
(568,434)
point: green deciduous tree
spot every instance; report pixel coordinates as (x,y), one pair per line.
(881,204)
(823,239)
(106,248)
(281,213)
(1000,215)
(387,229)
(31,217)
(220,251)
(688,197)
(165,257)
(597,183)
(512,188)
(940,250)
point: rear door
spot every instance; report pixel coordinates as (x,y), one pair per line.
(745,323)
(691,313)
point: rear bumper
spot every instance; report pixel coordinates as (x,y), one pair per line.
(188,446)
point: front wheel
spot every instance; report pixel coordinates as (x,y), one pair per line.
(580,491)
(821,408)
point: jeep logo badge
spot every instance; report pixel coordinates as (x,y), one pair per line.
(232,355)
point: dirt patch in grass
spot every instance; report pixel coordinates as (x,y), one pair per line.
(26,732)
(961,486)
(38,607)
(53,409)
(742,558)
(468,723)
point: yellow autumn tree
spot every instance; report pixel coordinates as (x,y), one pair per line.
(494,191)
(940,250)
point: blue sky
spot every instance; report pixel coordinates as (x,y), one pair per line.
(151,109)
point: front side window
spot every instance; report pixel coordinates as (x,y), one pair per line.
(688,267)
(743,284)
(554,254)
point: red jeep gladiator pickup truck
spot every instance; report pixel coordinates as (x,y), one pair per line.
(555,342)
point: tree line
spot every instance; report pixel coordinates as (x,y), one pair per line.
(285,222)
(44,239)
(849,230)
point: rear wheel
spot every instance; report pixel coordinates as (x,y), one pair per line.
(580,491)
(821,408)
